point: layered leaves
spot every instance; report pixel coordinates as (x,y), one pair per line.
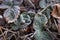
(23,20)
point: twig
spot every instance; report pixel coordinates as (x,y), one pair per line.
(28,38)
(45,8)
(52,35)
(33,34)
(11,36)
(8,30)
(2,33)
(31,3)
(26,35)
(56,24)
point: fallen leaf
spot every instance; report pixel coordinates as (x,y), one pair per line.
(56,14)
(56,11)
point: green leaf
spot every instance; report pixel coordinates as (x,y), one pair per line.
(14,27)
(42,35)
(18,2)
(12,2)
(42,4)
(31,14)
(47,13)
(11,14)
(24,20)
(39,22)
(48,1)
(8,2)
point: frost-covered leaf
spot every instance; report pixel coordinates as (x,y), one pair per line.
(12,2)
(42,4)
(31,13)
(23,20)
(39,22)
(56,11)
(14,27)
(8,2)
(12,14)
(47,13)
(18,2)
(42,35)
(48,1)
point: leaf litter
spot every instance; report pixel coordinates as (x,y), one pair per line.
(29,19)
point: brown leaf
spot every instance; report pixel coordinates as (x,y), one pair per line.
(56,14)
(56,11)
